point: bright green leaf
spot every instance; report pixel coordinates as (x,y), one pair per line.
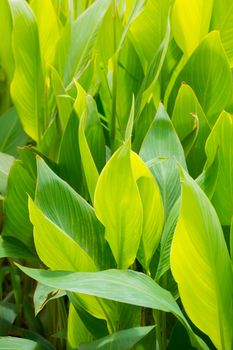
(201,266)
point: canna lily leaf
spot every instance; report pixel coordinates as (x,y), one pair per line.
(11,133)
(149,28)
(161,139)
(199,257)
(14,249)
(153,213)
(49,31)
(27,88)
(187,114)
(21,182)
(191,21)
(118,206)
(81,40)
(43,294)
(90,170)
(122,340)
(222,20)
(69,155)
(56,248)
(212,86)
(6,162)
(74,338)
(219,144)
(14,343)
(6,54)
(60,204)
(123,286)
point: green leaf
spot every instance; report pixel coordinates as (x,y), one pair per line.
(13,343)
(69,156)
(55,247)
(212,86)
(74,338)
(122,340)
(11,133)
(90,170)
(6,54)
(61,204)
(220,143)
(167,175)
(118,206)
(7,317)
(43,294)
(49,31)
(15,249)
(222,20)
(21,182)
(186,114)
(63,100)
(27,88)
(6,162)
(148,86)
(82,39)
(149,28)
(123,286)
(208,178)
(166,241)
(190,22)
(161,139)
(153,212)
(201,266)
(231,239)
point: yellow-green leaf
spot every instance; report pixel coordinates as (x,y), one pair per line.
(118,206)
(153,212)
(190,22)
(27,88)
(220,141)
(201,266)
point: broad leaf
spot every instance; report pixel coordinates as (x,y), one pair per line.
(55,247)
(70,168)
(74,338)
(219,144)
(222,20)
(60,204)
(118,206)
(27,88)
(49,31)
(13,343)
(21,182)
(11,133)
(212,86)
(161,140)
(201,266)
(123,286)
(43,294)
(6,54)
(153,212)
(122,340)
(6,162)
(81,40)
(186,115)
(190,21)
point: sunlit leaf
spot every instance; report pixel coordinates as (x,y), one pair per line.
(199,257)
(118,206)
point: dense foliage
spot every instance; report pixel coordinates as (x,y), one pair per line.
(116,174)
